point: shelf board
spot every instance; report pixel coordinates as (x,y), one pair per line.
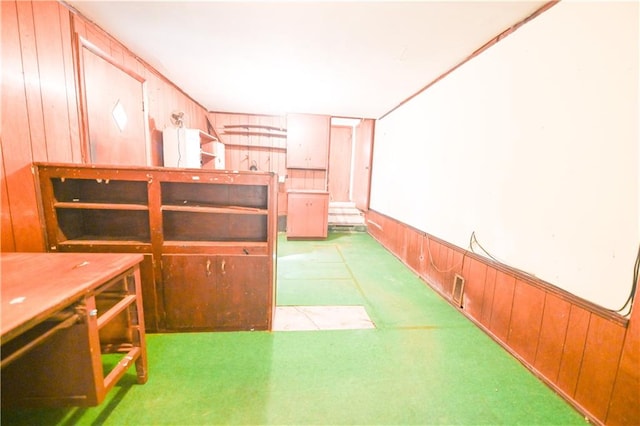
(215,209)
(242,145)
(98,206)
(253,133)
(255,126)
(95,240)
(207,154)
(206,137)
(236,243)
(246,248)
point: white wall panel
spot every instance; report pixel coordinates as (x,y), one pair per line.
(532,145)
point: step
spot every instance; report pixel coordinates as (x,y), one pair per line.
(342,204)
(340,219)
(347,228)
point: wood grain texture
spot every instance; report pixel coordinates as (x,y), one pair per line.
(602,352)
(624,408)
(553,331)
(502,305)
(32,84)
(489,294)
(51,66)
(16,136)
(474,287)
(7,241)
(573,350)
(526,320)
(40,104)
(583,351)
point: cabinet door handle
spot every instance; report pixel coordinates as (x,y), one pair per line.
(208,267)
(223,265)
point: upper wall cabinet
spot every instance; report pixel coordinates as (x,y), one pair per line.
(308,141)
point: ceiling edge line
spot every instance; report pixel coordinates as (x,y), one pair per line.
(477,52)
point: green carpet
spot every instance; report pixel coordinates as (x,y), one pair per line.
(424,364)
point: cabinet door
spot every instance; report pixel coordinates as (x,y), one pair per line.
(231,292)
(308,141)
(189,288)
(245,296)
(307,215)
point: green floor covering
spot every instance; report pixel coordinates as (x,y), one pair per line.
(423,364)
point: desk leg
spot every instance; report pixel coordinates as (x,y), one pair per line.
(137,321)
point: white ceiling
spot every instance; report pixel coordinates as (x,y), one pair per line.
(348,58)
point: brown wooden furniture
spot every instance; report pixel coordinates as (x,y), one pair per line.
(62,314)
(307,214)
(208,237)
(308,141)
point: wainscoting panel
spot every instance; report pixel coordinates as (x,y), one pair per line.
(573,350)
(526,320)
(598,373)
(475,274)
(579,349)
(502,305)
(553,332)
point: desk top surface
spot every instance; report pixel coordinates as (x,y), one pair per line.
(36,285)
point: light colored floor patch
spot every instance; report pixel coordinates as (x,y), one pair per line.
(300,318)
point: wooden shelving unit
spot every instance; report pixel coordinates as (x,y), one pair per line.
(206,235)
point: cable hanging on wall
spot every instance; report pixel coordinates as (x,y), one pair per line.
(628,304)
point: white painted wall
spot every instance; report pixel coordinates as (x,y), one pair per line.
(533,145)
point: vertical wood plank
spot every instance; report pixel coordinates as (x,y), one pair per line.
(450,271)
(624,408)
(65,19)
(502,305)
(52,70)
(423,256)
(16,148)
(413,250)
(32,81)
(599,365)
(474,287)
(526,320)
(553,331)
(489,294)
(7,241)
(573,350)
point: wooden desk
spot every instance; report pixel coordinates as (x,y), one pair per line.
(62,313)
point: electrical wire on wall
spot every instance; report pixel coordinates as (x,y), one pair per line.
(473,240)
(628,304)
(625,310)
(432,262)
(177,120)
(178,146)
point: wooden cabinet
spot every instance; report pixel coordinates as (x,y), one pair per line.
(191,148)
(216,292)
(308,141)
(209,237)
(72,326)
(307,214)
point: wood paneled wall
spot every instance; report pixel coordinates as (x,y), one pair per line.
(266,152)
(40,105)
(586,353)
